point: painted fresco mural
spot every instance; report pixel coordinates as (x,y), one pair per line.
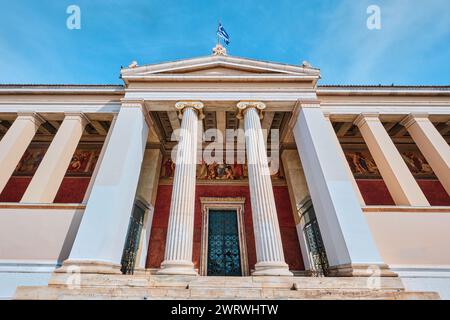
(82,163)
(363,166)
(213,171)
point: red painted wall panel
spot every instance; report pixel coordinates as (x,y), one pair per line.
(15,189)
(72,189)
(375,192)
(287,225)
(435,192)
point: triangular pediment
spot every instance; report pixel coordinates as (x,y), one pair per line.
(219,68)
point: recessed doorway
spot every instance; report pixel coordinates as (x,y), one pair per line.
(224,251)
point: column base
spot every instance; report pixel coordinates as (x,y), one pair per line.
(272,269)
(89,266)
(177,268)
(361,270)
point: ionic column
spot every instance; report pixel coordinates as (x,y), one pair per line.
(50,173)
(15,142)
(432,145)
(399,180)
(180,233)
(269,248)
(100,240)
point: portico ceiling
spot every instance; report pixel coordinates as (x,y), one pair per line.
(167,122)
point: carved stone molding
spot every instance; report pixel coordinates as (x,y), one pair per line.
(219,50)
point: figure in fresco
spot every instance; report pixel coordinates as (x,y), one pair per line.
(414,167)
(169,168)
(220,171)
(350,162)
(361,163)
(30,161)
(202,173)
(95,157)
(245,170)
(416,163)
(79,161)
(229,173)
(238,171)
(212,171)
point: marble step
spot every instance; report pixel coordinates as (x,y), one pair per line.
(182,282)
(140,293)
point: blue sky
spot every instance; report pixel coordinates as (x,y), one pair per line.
(412,47)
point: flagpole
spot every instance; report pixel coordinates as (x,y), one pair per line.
(218,38)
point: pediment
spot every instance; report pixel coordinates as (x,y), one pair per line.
(219,68)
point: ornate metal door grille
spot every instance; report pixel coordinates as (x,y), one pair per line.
(133,239)
(223,244)
(316,248)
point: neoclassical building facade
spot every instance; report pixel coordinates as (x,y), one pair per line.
(221,177)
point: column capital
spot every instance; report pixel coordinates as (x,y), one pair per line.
(364,117)
(33,116)
(243,106)
(197,106)
(77,116)
(412,118)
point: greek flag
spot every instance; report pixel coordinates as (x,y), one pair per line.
(223,34)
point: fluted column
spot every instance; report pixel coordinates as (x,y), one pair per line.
(432,145)
(15,142)
(180,233)
(269,248)
(399,180)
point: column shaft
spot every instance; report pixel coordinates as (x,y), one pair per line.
(101,236)
(345,232)
(180,233)
(14,144)
(347,167)
(298,192)
(50,173)
(432,145)
(269,248)
(399,180)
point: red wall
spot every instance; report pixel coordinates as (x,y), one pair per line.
(375,192)
(287,225)
(72,189)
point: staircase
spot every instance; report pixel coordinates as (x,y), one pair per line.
(145,286)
